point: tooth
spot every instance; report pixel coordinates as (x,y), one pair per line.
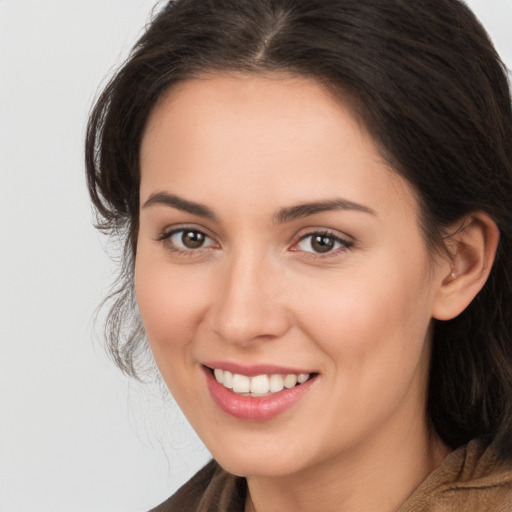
(290,381)
(218,375)
(276,383)
(227,379)
(260,384)
(303,377)
(241,383)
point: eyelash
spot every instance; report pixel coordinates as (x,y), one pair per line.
(342,244)
(166,237)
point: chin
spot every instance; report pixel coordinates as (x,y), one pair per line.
(259,457)
(248,466)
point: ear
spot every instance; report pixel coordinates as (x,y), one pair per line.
(473,249)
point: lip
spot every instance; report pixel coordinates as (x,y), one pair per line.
(253,370)
(255,408)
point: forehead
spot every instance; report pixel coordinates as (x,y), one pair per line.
(279,112)
(253,136)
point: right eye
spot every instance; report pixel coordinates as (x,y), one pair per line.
(187,240)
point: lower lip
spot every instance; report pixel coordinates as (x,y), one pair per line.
(255,408)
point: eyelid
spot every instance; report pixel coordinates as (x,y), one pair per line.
(166,234)
(346,242)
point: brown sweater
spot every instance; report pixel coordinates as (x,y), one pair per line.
(471,479)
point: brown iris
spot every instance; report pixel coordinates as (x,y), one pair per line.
(322,243)
(193,239)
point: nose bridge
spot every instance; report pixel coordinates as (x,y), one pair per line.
(248,305)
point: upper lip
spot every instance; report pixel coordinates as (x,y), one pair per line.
(255,369)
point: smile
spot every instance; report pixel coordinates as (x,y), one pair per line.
(258,393)
(258,385)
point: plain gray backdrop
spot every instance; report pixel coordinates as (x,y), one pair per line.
(75,435)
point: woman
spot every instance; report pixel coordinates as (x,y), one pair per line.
(315,201)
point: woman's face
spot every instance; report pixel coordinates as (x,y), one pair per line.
(275,241)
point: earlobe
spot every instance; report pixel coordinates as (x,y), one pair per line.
(473,249)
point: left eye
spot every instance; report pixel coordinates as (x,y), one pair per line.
(321,243)
(189,239)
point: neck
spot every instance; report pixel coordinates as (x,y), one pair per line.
(376,478)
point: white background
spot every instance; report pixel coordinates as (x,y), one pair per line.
(75,435)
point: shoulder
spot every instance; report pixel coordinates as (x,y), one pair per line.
(210,489)
(473,478)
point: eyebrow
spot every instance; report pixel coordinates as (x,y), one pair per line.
(306,209)
(165,199)
(284,215)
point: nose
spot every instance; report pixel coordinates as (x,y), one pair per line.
(250,301)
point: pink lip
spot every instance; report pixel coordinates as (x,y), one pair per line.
(255,408)
(253,370)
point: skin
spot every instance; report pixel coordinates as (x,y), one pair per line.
(256,292)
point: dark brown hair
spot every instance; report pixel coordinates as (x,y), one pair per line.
(427,84)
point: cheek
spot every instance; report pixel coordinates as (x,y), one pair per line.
(372,325)
(171,304)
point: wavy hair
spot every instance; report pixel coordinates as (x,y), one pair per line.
(427,84)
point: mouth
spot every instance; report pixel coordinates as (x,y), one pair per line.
(257,393)
(258,386)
